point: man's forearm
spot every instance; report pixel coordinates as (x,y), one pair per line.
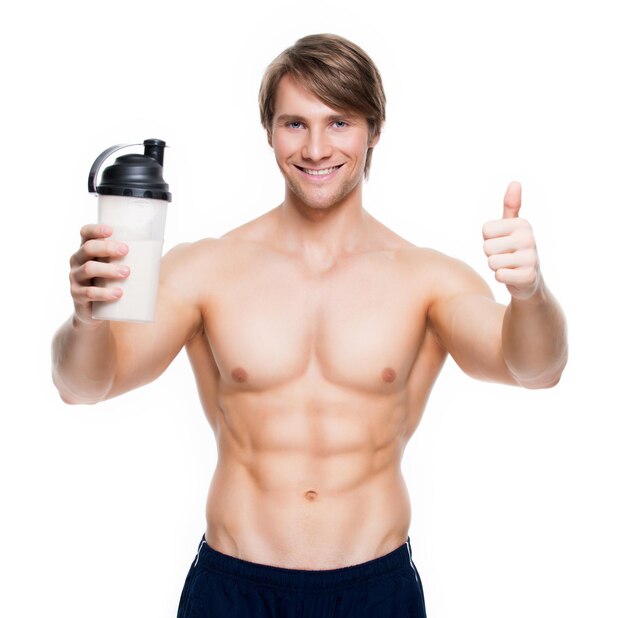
(83,361)
(534,339)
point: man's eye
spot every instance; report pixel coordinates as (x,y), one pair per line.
(341,124)
(294,124)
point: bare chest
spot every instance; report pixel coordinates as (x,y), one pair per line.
(358,325)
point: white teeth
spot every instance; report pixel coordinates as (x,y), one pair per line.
(328,170)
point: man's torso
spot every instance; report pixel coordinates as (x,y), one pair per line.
(313,379)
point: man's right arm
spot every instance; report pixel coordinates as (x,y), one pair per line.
(94,360)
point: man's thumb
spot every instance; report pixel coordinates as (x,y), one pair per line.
(512,200)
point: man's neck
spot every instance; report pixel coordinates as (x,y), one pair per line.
(323,235)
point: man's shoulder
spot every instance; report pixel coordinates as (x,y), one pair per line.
(186,253)
(407,251)
(188,259)
(430,259)
(212,254)
(443,274)
(451,276)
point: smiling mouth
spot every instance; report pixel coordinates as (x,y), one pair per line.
(321,172)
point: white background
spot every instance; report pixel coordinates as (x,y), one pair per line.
(517,495)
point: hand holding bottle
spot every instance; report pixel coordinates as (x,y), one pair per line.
(90,262)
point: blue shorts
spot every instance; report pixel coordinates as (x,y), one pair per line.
(219,585)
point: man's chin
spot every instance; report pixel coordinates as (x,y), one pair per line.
(321,204)
(322,200)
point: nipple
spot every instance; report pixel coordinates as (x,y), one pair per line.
(239,374)
(389,375)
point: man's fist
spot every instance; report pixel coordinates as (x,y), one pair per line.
(510,247)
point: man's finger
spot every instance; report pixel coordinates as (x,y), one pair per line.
(506,244)
(512,200)
(499,227)
(94,230)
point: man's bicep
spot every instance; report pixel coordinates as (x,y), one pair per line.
(144,351)
(468,322)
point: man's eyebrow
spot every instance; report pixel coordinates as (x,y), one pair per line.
(289,117)
(296,118)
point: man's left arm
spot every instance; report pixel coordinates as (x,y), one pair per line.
(534,332)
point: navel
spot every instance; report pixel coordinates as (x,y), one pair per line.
(310,495)
(239,374)
(389,375)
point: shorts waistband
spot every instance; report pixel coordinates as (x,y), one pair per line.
(253,572)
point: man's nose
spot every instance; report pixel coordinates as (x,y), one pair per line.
(317,145)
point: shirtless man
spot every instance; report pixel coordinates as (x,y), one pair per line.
(315,334)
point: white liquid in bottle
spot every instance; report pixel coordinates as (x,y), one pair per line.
(138,300)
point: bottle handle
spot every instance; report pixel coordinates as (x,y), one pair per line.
(97,164)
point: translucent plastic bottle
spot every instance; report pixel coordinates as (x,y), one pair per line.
(132,200)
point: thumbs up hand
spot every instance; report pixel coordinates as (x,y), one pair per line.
(510,247)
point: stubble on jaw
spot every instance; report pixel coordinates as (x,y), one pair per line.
(325,200)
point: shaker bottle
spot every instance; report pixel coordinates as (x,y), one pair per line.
(132,200)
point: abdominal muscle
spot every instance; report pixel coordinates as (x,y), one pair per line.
(312,487)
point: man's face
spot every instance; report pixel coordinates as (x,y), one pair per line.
(320,151)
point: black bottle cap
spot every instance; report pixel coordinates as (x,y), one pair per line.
(133,175)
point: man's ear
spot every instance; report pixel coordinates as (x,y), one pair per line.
(374,140)
(269,138)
